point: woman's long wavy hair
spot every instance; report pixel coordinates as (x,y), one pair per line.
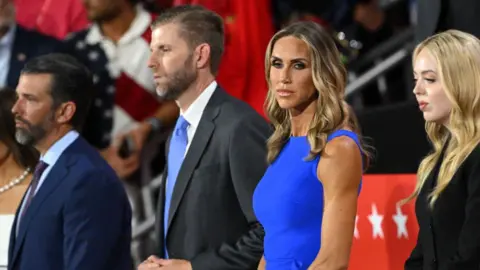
(457,55)
(25,156)
(329,78)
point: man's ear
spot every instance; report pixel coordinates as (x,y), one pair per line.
(202,56)
(65,112)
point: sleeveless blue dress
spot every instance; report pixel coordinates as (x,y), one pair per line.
(288,202)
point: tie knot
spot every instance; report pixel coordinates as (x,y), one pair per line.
(40,168)
(182,124)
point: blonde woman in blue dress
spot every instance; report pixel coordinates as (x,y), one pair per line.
(307,199)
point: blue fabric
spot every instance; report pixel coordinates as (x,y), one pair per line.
(39,169)
(176,154)
(6,44)
(50,158)
(80,218)
(23,51)
(288,202)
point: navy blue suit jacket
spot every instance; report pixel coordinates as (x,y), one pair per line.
(27,45)
(80,218)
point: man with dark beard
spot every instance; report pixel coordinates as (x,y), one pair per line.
(75,214)
(216,154)
(116,48)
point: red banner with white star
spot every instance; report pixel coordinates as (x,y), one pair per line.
(385,233)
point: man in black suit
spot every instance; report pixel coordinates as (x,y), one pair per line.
(216,154)
(435,16)
(18,45)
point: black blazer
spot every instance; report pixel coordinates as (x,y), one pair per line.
(27,45)
(440,15)
(449,236)
(211,218)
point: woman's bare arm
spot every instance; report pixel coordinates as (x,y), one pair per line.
(340,171)
(262,264)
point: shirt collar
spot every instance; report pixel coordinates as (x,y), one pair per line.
(194,113)
(56,150)
(140,24)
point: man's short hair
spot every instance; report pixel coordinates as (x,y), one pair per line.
(71,81)
(197,25)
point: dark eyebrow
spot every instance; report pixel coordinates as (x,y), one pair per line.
(26,95)
(274,58)
(163,46)
(299,60)
(160,47)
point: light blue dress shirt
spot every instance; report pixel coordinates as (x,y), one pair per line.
(6,44)
(51,157)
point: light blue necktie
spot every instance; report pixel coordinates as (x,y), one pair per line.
(176,154)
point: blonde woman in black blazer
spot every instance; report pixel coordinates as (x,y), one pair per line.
(447,88)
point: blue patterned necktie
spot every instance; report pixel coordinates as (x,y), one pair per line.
(176,154)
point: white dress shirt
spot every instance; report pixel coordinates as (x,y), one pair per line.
(194,113)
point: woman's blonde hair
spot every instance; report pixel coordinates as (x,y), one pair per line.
(329,78)
(457,55)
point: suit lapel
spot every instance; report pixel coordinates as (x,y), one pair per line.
(200,140)
(159,220)
(431,181)
(160,214)
(55,176)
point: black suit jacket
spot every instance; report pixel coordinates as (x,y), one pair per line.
(27,45)
(449,236)
(211,218)
(440,15)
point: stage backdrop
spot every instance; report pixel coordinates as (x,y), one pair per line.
(385,233)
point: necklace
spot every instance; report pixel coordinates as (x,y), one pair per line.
(15,181)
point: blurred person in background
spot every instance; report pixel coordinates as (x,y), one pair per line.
(216,153)
(16,167)
(373,24)
(126,112)
(56,18)
(286,12)
(307,199)
(75,214)
(18,45)
(116,49)
(447,82)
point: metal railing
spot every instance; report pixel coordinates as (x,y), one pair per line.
(381,68)
(384,57)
